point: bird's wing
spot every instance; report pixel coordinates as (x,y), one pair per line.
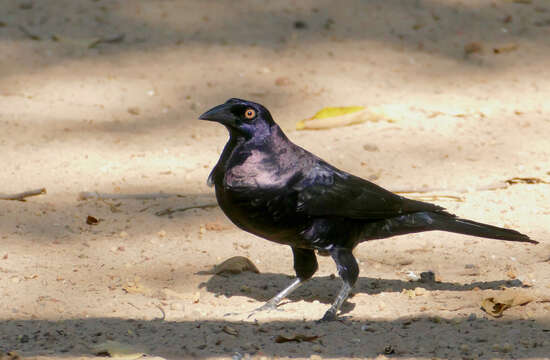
(327,191)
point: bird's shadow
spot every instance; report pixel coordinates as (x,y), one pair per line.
(262,287)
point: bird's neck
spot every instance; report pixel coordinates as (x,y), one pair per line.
(240,143)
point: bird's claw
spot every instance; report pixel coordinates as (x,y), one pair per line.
(329,316)
(265,307)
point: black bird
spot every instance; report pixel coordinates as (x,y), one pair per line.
(273,188)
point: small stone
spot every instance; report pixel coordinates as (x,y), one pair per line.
(412,276)
(133,110)
(370,147)
(300,25)
(428,277)
(367,328)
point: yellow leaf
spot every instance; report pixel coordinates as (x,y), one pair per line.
(495,305)
(337,111)
(331,117)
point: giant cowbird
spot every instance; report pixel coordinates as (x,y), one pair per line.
(275,189)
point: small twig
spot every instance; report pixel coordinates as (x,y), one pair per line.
(129,303)
(87,195)
(23,195)
(113,39)
(494,186)
(28,33)
(162,311)
(170,211)
(437,197)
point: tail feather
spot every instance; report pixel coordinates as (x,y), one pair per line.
(447,222)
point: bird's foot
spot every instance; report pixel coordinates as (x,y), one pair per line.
(268,306)
(330,315)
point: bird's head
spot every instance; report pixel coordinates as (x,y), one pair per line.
(241,117)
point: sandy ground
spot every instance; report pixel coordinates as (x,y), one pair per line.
(83,108)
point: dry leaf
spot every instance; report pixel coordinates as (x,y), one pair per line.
(231,331)
(134,110)
(331,117)
(90,220)
(119,350)
(495,305)
(297,338)
(525,180)
(234,265)
(473,47)
(133,287)
(505,48)
(10,355)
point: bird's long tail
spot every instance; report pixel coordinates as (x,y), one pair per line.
(439,220)
(447,222)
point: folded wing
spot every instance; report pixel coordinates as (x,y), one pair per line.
(327,191)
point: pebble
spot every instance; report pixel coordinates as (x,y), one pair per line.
(370,147)
(412,276)
(428,277)
(133,110)
(367,328)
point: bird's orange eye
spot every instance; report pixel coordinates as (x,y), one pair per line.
(250,113)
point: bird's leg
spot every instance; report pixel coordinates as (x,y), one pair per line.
(349,272)
(271,304)
(305,265)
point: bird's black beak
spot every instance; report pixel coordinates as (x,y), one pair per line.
(221,113)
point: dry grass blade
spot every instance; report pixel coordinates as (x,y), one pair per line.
(23,195)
